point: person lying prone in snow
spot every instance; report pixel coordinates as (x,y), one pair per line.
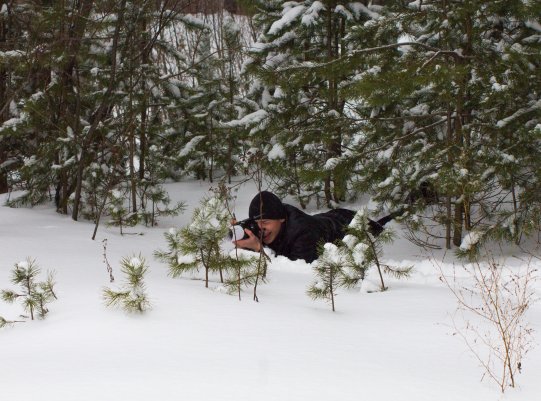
(290,232)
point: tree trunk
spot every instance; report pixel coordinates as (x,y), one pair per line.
(458,223)
(143,130)
(101,111)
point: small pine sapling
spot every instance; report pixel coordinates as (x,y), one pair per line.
(335,268)
(132,297)
(34,295)
(246,269)
(366,249)
(198,244)
(120,216)
(344,264)
(160,205)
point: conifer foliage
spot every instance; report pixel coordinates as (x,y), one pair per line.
(333,269)
(4,322)
(33,294)
(366,249)
(87,109)
(449,105)
(198,244)
(340,98)
(307,126)
(201,245)
(132,297)
(345,263)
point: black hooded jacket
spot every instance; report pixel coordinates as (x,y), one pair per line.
(301,233)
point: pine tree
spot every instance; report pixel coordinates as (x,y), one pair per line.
(330,271)
(34,295)
(120,215)
(85,121)
(345,263)
(307,126)
(440,116)
(366,250)
(198,244)
(157,203)
(209,144)
(245,269)
(132,297)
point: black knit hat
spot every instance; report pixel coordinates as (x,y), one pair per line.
(266,205)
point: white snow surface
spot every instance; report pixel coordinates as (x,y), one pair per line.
(202,344)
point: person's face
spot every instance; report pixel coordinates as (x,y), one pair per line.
(270,229)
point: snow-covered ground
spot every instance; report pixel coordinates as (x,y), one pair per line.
(203,344)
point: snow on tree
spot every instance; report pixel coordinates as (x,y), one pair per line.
(345,263)
(308,127)
(34,295)
(450,116)
(132,297)
(101,101)
(198,244)
(333,269)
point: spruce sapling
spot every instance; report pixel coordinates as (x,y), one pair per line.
(132,297)
(34,295)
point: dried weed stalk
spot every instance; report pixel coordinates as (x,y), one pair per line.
(492,302)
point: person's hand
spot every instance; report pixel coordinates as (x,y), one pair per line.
(252,242)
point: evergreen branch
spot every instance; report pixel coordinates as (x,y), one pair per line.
(48,286)
(113,298)
(10,296)
(403,137)
(339,60)
(4,322)
(132,298)
(398,272)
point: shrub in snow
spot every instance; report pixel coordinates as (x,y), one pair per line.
(132,296)
(492,302)
(155,202)
(366,250)
(344,264)
(198,244)
(333,269)
(34,295)
(245,269)
(120,215)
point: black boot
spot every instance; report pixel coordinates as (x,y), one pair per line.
(376,227)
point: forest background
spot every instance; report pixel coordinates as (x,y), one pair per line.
(431,108)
